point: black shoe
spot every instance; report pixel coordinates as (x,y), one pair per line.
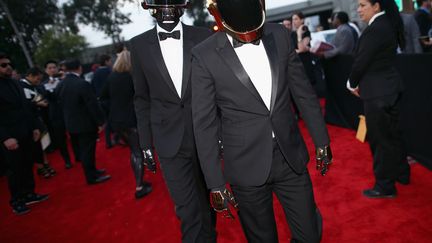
(404,180)
(100,172)
(68,166)
(33,198)
(50,169)
(100,179)
(145,190)
(20,209)
(44,172)
(372,193)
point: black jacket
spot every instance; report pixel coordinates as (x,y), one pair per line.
(219,82)
(81,109)
(162,115)
(119,92)
(17,119)
(374,64)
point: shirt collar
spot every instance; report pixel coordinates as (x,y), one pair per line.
(73,73)
(376,16)
(179,27)
(26,81)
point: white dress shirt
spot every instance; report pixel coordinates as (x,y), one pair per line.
(258,69)
(255,61)
(172,53)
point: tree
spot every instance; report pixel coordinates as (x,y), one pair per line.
(31,18)
(59,46)
(198,12)
(103,15)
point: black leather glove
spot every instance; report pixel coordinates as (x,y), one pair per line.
(324,159)
(149,160)
(220,199)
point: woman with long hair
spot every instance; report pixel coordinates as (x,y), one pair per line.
(119,90)
(377,82)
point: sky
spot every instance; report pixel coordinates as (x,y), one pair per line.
(142,21)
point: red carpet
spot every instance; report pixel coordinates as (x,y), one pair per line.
(108,212)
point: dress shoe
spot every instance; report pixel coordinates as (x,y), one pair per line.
(372,193)
(100,172)
(33,198)
(100,179)
(20,208)
(145,190)
(404,180)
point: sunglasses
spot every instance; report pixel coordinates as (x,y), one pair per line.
(5,64)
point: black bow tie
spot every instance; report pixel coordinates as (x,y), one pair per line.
(237,43)
(164,35)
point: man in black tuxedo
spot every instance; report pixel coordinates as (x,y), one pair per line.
(83,119)
(423,17)
(161,73)
(19,128)
(248,73)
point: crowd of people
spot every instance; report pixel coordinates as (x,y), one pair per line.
(195,97)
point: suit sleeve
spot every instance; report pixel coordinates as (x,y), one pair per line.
(305,98)
(344,45)
(142,101)
(369,45)
(92,104)
(105,95)
(206,123)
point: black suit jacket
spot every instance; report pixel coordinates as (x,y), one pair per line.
(119,92)
(162,115)
(219,82)
(81,110)
(99,78)
(373,69)
(17,118)
(424,21)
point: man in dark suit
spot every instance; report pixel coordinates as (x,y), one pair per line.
(248,72)
(375,79)
(83,119)
(345,38)
(161,73)
(19,128)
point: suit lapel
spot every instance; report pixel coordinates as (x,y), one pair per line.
(226,51)
(270,47)
(155,51)
(188,44)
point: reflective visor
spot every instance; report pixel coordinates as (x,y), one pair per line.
(162,3)
(242,16)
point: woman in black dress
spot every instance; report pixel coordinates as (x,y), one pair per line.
(119,91)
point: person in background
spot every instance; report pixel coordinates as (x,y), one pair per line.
(375,79)
(38,102)
(423,17)
(412,34)
(288,23)
(19,129)
(119,91)
(345,38)
(58,133)
(83,118)
(98,81)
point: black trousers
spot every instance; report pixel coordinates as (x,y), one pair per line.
(295,194)
(19,165)
(187,189)
(85,143)
(60,138)
(384,136)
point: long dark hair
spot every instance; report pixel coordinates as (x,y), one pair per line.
(392,12)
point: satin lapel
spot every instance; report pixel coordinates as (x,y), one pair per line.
(272,54)
(188,44)
(157,57)
(226,51)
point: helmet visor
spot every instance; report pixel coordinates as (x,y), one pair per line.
(242,16)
